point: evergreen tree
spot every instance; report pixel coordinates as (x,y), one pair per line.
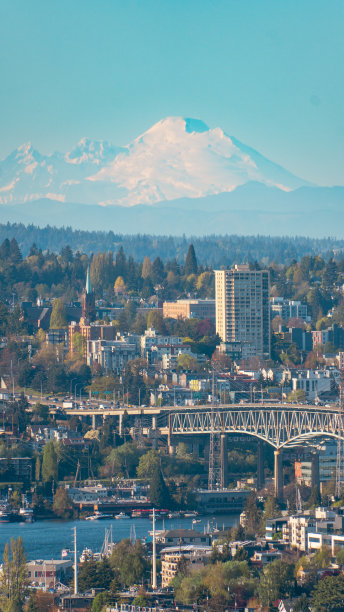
(58,319)
(271,507)
(157,271)
(147,288)
(328,594)
(38,469)
(15,253)
(5,249)
(49,465)
(253,515)
(191,261)
(100,601)
(159,494)
(33,250)
(67,254)
(330,274)
(121,263)
(315,498)
(87,578)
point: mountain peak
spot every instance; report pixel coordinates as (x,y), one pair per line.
(176,158)
(92,151)
(26,155)
(188,125)
(25,151)
(195,125)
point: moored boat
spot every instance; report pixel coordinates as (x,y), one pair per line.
(122,515)
(86,554)
(26,515)
(175,514)
(98,516)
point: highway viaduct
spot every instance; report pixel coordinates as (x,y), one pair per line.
(282,426)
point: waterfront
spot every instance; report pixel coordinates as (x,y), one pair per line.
(46,539)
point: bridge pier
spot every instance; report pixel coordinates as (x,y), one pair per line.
(120,424)
(315,471)
(195,448)
(260,466)
(93,421)
(224,460)
(278,474)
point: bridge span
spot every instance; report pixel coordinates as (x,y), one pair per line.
(280,425)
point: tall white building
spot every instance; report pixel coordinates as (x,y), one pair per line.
(243,309)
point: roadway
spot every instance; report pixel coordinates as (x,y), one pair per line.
(102,408)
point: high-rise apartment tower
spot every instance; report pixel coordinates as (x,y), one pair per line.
(243,309)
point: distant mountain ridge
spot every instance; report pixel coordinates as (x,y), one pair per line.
(176,158)
(179,177)
(250,209)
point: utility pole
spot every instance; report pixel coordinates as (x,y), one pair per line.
(75,565)
(340,443)
(154,585)
(12,380)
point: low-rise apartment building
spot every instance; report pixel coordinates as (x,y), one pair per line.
(190,309)
(274,525)
(316,541)
(288,309)
(110,355)
(183,537)
(314,382)
(295,532)
(196,557)
(47,573)
(153,345)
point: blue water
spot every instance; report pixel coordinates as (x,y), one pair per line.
(46,539)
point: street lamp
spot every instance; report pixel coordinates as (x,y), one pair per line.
(71,386)
(77,385)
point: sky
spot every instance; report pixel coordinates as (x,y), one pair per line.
(269,72)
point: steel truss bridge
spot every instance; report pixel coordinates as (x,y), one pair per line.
(280,427)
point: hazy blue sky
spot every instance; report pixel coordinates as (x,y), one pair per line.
(269,72)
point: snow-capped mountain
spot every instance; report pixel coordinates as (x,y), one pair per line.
(176,158)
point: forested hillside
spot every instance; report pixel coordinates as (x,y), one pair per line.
(211,250)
